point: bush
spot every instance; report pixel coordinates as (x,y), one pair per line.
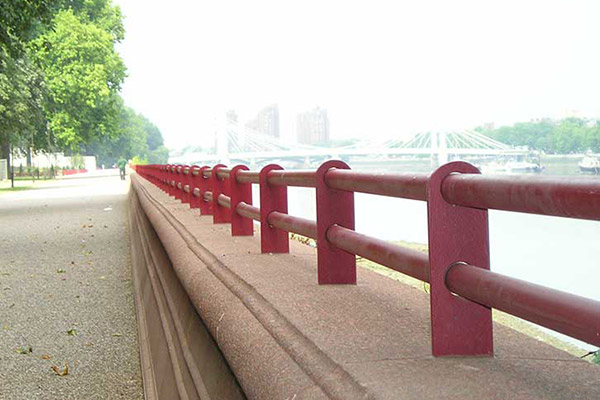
(139,161)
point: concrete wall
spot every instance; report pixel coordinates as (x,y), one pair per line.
(180,359)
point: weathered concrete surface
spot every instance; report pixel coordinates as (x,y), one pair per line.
(180,359)
(285,337)
(64,266)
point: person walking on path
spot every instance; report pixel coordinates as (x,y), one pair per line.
(122,163)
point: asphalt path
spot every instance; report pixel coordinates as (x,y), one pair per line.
(66,294)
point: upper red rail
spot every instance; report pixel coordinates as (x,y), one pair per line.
(458,199)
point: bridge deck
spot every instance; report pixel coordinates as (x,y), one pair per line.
(286,337)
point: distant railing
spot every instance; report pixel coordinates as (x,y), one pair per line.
(463,289)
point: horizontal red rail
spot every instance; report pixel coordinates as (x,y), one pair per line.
(223,173)
(293,178)
(408,186)
(402,259)
(224,201)
(567,313)
(247,177)
(572,197)
(248,211)
(301,226)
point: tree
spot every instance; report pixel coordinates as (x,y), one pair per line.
(83,75)
(564,136)
(22,90)
(159,155)
(60,78)
(138,137)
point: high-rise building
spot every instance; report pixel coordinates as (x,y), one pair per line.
(312,127)
(266,121)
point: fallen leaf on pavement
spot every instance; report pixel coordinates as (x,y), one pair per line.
(24,350)
(60,271)
(117,334)
(72,332)
(46,356)
(58,372)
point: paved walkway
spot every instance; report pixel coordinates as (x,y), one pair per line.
(66,295)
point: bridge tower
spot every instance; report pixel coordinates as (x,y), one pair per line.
(439,149)
(222,140)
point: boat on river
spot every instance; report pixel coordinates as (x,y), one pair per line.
(589,163)
(512,167)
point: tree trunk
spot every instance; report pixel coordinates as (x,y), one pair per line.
(5,150)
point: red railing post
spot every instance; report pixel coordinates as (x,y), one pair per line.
(172,187)
(179,182)
(165,178)
(272,198)
(240,192)
(185,183)
(334,207)
(459,327)
(219,186)
(194,184)
(204,184)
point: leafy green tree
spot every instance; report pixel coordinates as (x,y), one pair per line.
(571,135)
(160,155)
(83,75)
(138,137)
(22,89)
(19,21)
(59,81)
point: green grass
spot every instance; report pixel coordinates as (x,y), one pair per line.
(30,178)
(15,189)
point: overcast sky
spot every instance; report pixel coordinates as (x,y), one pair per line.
(381,68)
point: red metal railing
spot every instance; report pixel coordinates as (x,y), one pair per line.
(463,290)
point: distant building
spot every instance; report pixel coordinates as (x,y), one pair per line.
(312,127)
(266,121)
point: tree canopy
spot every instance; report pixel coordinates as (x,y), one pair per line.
(60,77)
(140,138)
(83,74)
(570,135)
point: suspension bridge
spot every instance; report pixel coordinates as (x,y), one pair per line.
(235,143)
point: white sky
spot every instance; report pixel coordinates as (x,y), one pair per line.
(381,68)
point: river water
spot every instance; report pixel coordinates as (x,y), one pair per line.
(560,253)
